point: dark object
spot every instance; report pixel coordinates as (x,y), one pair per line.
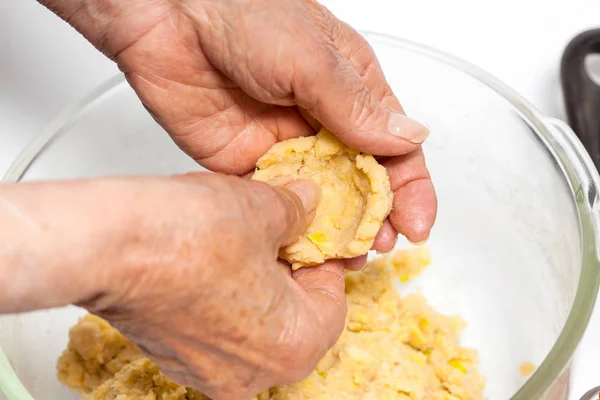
(581,93)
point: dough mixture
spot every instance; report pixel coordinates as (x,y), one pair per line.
(356,196)
(391,348)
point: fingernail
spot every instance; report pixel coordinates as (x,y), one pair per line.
(406,128)
(420,242)
(308,192)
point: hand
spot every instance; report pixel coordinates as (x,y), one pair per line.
(190,274)
(228,79)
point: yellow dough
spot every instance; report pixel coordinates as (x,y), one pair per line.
(392,348)
(142,380)
(96,352)
(356,196)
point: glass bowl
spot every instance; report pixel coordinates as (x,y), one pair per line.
(514,248)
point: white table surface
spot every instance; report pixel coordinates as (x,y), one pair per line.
(45,65)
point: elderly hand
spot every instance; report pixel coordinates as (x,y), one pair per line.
(229,78)
(186,267)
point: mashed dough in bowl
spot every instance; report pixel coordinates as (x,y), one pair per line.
(391,348)
(355,196)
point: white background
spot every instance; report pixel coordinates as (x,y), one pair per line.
(45,65)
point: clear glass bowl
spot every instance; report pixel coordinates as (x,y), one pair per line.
(514,249)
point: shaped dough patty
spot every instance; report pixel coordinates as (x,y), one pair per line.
(356,196)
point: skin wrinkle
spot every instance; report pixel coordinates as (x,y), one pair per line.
(341,39)
(228,68)
(360,112)
(240,136)
(236,350)
(296,220)
(275,302)
(412,169)
(147,273)
(289,339)
(67,17)
(222,85)
(204,119)
(273,92)
(307,95)
(248,79)
(114,55)
(209,18)
(283,95)
(255,200)
(109,30)
(146,80)
(368,69)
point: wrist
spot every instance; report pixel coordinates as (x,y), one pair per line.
(59,241)
(111,25)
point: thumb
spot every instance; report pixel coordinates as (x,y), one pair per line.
(294,210)
(325,296)
(335,94)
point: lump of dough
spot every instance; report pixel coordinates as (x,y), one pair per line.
(392,347)
(355,196)
(102,364)
(142,380)
(96,352)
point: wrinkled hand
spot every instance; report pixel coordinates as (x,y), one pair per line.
(190,274)
(229,78)
(212,305)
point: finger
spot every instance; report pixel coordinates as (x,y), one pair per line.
(415,202)
(324,290)
(356,263)
(361,55)
(338,98)
(386,238)
(333,92)
(293,210)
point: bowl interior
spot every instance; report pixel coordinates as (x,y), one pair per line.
(506,247)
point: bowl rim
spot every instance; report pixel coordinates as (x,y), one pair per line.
(571,152)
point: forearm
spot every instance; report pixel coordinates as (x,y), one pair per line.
(55,239)
(111,25)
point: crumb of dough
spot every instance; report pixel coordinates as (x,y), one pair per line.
(355,196)
(392,348)
(409,264)
(526,368)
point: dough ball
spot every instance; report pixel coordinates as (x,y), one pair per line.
(356,196)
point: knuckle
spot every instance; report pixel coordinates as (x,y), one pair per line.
(297,360)
(290,209)
(278,211)
(297,350)
(310,73)
(361,110)
(369,66)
